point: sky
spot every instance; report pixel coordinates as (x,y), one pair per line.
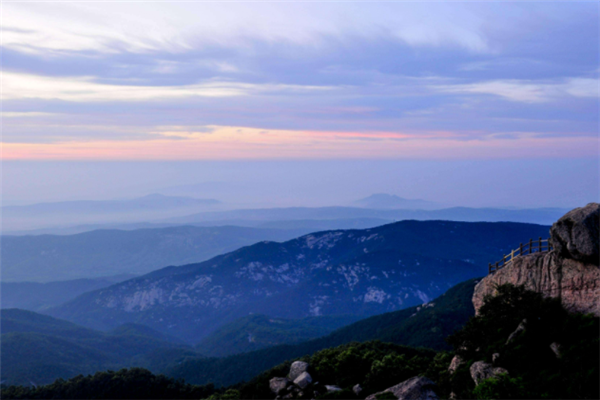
(397,97)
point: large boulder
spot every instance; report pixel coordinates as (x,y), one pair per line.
(576,235)
(481,370)
(303,380)
(297,368)
(277,385)
(417,388)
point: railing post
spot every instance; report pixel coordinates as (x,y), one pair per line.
(512,255)
(540,244)
(521,249)
(530,245)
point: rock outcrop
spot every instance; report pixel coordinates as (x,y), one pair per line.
(520,328)
(333,388)
(417,388)
(570,271)
(577,234)
(481,370)
(556,349)
(456,362)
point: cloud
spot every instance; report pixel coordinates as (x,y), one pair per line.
(90,72)
(133,27)
(528,91)
(26,114)
(20,86)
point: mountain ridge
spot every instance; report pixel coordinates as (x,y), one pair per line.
(359,272)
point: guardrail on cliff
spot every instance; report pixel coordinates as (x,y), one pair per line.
(534,246)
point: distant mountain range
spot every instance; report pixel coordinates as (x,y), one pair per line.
(157,211)
(100,253)
(545,216)
(355,272)
(303,225)
(149,207)
(390,201)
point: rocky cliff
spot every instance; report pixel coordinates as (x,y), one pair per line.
(570,271)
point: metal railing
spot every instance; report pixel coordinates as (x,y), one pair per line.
(534,246)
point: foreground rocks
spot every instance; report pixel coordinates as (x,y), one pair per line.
(297,368)
(303,380)
(570,271)
(456,362)
(481,370)
(417,388)
(299,384)
(278,385)
(515,334)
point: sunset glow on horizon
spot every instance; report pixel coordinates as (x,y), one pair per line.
(310,86)
(226,143)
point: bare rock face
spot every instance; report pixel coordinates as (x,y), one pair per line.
(481,370)
(577,234)
(417,388)
(569,272)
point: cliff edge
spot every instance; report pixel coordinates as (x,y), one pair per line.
(571,271)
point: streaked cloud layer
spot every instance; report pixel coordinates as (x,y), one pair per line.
(299,80)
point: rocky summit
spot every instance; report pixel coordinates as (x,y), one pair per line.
(570,271)
(357,272)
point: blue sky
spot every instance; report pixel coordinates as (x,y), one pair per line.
(435,81)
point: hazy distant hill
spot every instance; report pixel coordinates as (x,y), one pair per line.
(37,296)
(302,225)
(37,349)
(545,216)
(358,272)
(149,207)
(46,258)
(390,201)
